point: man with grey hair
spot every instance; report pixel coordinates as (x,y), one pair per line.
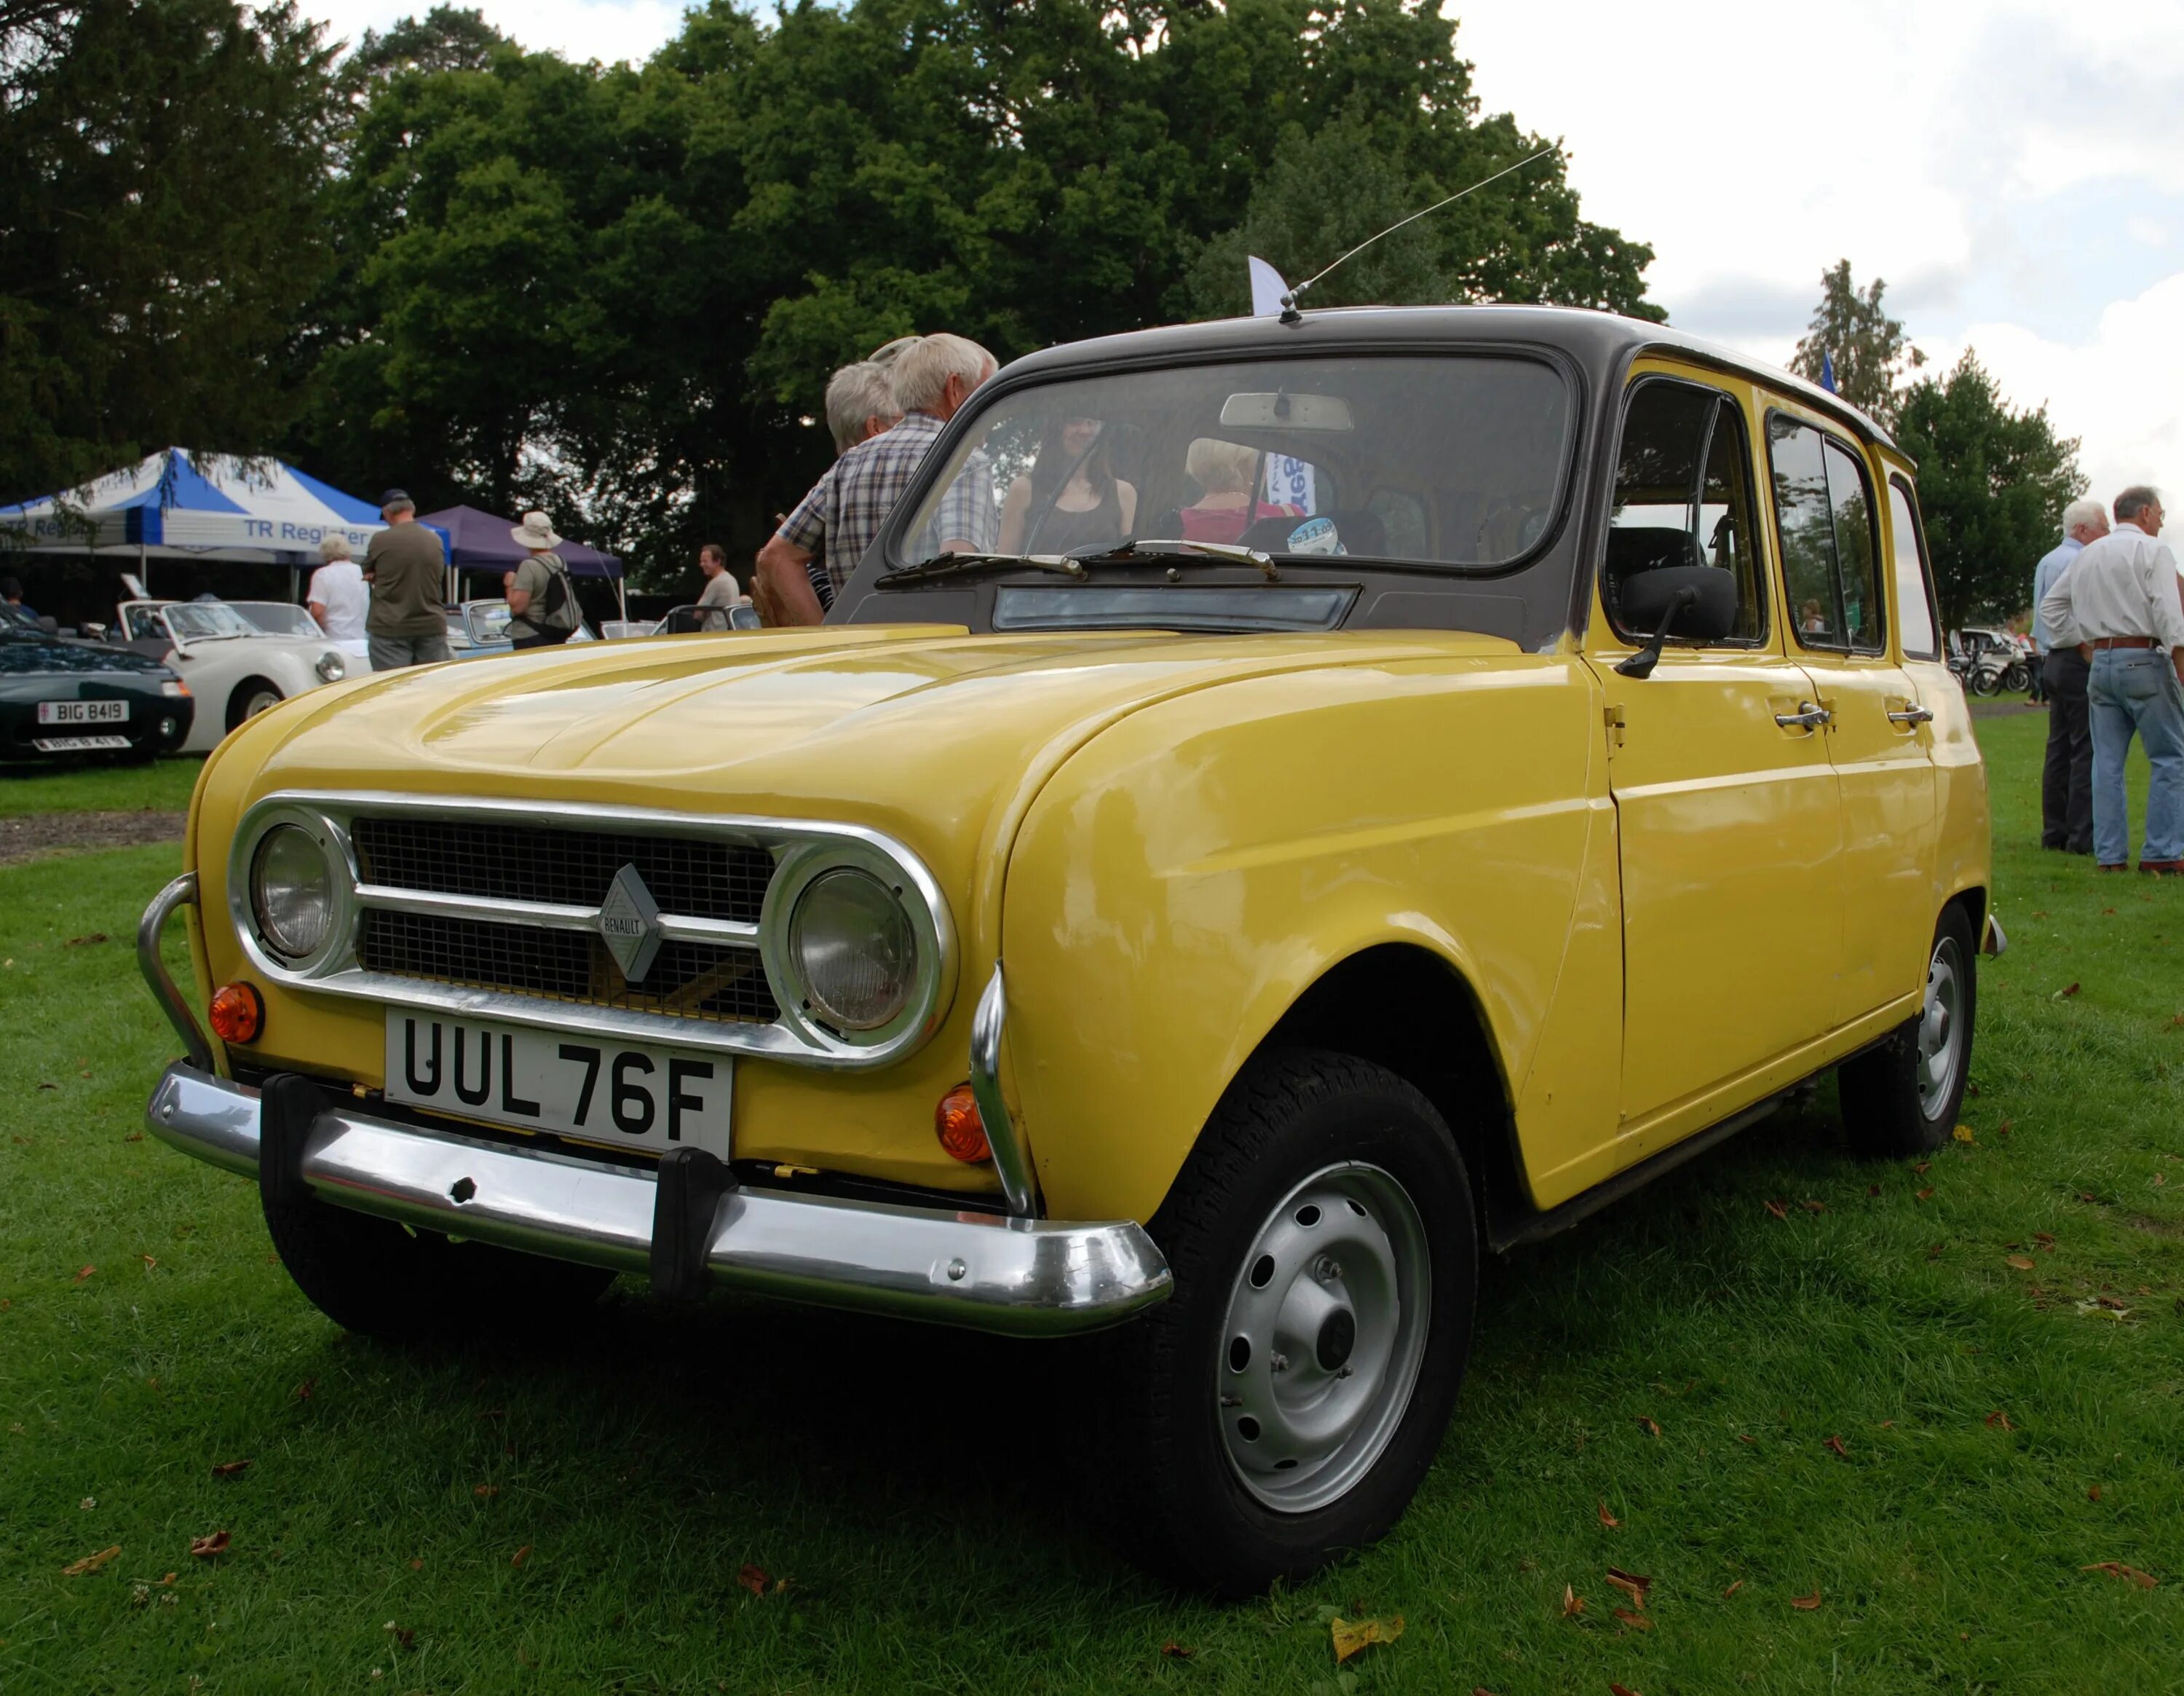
(2066,782)
(2121,606)
(408,623)
(931,378)
(860,404)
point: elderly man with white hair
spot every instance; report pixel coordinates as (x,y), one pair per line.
(930,380)
(2066,782)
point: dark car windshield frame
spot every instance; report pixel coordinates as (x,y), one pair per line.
(977,415)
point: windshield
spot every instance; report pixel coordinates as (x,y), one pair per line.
(1451,460)
(279,618)
(198,620)
(15,621)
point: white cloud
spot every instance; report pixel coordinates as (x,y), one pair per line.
(604,29)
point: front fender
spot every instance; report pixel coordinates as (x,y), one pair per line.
(1185,877)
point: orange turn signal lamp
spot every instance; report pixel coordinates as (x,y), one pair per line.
(238,1012)
(960,1127)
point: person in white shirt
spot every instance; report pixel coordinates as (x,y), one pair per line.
(337,597)
(2066,781)
(720,593)
(2121,606)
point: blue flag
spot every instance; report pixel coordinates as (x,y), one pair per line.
(1827,372)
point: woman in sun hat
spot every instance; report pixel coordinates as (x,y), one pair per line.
(541,600)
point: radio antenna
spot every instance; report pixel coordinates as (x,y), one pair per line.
(1290,314)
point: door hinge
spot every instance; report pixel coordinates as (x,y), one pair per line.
(1613,717)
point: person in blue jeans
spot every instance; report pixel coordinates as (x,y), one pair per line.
(2121,604)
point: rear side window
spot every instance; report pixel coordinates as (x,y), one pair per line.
(1914,590)
(1683,497)
(1831,557)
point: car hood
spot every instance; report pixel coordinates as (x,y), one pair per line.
(23,656)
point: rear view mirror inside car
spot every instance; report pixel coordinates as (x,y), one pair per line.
(1286,411)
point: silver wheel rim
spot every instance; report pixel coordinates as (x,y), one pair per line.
(261,700)
(1326,1331)
(1941,1027)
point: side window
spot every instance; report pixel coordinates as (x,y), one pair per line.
(1683,497)
(1824,510)
(1914,599)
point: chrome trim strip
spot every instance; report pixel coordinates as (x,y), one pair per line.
(180,893)
(801,849)
(1019,1183)
(982,1271)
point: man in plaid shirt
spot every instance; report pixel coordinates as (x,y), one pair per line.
(846,507)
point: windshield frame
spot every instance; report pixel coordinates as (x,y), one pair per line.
(177,613)
(972,417)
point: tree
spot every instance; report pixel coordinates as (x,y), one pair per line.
(161,166)
(1992,484)
(1867,348)
(619,292)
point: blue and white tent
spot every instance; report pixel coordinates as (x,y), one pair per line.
(180,505)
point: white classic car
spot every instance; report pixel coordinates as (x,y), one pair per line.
(233,668)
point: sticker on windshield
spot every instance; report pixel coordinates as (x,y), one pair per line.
(1315,536)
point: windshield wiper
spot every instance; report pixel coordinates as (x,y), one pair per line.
(950,564)
(1164,548)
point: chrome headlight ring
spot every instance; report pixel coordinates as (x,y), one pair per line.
(331,667)
(242,861)
(932,970)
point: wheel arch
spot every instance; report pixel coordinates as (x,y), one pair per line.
(241,690)
(1402,1006)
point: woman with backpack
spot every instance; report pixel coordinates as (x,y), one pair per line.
(542,602)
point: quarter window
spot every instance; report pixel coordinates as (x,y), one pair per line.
(1683,497)
(1824,511)
(1914,600)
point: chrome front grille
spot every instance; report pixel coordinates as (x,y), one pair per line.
(522,861)
(685,979)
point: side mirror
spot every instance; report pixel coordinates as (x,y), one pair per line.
(1696,602)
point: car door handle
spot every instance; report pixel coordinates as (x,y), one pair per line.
(1809,714)
(1913,715)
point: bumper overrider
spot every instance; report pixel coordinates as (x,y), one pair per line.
(690,1224)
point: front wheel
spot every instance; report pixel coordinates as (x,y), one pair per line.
(1901,1097)
(1283,1406)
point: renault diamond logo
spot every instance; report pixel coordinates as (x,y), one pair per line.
(629,924)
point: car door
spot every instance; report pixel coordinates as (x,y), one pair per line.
(1828,525)
(1727,806)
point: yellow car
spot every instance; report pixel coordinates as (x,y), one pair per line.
(1281,810)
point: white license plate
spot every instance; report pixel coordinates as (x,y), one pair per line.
(83,712)
(77,744)
(624,1095)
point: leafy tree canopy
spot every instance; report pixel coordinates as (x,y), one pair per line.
(1868,348)
(1992,484)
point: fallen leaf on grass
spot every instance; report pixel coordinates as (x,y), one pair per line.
(1353,1637)
(2045,1238)
(520,1556)
(2000,1420)
(1873,1189)
(1922,1167)
(403,1639)
(2116,1569)
(85,1274)
(1615,1689)
(1933,1250)
(96,937)
(416,1566)
(1176,1651)
(1573,1603)
(485,1492)
(1740,1437)
(1780,1209)
(1652,1427)
(1926,1195)
(1815,1208)
(2063,994)
(1632,1584)
(1607,1519)
(1732,1590)
(2023,1262)
(1836,1444)
(205,1548)
(90,1563)
(2159,1178)
(229,1469)
(752,1578)
(2093,1494)
(303,1390)
(1963,1133)
(1807,1604)
(1637,1620)
(2104,1308)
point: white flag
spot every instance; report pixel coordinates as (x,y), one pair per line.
(1268,288)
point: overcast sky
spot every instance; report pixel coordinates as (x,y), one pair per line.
(2014,168)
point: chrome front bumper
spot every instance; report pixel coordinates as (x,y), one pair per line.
(1029,1277)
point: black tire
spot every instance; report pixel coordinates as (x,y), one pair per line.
(251,697)
(1295,1118)
(371,1276)
(1890,1107)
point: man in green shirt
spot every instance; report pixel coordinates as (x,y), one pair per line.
(408,623)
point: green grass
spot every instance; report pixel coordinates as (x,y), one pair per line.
(918,1488)
(83,787)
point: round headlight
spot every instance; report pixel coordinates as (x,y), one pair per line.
(853,947)
(291,892)
(332,669)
